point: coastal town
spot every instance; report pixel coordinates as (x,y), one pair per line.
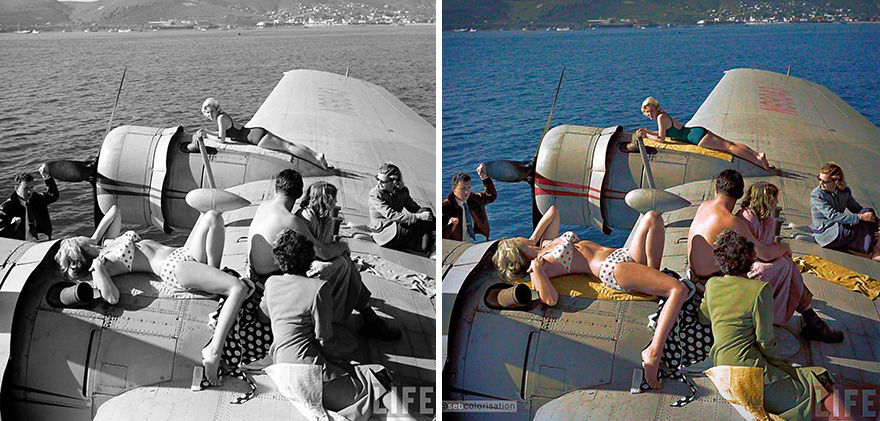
(305,15)
(558,17)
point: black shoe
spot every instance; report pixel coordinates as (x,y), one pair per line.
(379,329)
(821,332)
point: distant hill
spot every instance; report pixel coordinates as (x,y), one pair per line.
(576,13)
(30,13)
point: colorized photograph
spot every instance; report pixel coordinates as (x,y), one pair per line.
(218,210)
(660,210)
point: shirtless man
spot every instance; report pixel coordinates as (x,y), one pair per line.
(716,215)
(272,217)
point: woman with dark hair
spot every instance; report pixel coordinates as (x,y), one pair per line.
(546,255)
(300,309)
(789,291)
(741,311)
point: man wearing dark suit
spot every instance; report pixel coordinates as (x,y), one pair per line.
(464,212)
(26,214)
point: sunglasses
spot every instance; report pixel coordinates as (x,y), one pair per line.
(833,180)
(390,180)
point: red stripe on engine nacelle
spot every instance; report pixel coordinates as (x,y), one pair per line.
(539,191)
(539,179)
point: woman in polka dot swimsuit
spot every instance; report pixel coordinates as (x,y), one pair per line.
(546,255)
(194,266)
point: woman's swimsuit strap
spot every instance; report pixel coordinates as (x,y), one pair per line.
(238,135)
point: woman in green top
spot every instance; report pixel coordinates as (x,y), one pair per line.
(670,127)
(741,311)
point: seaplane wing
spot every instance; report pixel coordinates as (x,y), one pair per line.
(576,360)
(356,124)
(800,124)
(135,360)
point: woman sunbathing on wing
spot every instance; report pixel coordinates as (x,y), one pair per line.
(670,127)
(194,266)
(633,269)
(228,128)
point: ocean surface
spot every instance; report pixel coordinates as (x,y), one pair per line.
(59,88)
(498,87)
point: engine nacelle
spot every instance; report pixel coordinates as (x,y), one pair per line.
(146,174)
(587,172)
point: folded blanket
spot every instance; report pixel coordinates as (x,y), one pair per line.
(394,272)
(832,272)
(675,145)
(303,386)
(743,387)
(588,286)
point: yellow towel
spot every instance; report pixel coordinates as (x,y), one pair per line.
(743,386)
(588,286)
(840,275)
(675,145)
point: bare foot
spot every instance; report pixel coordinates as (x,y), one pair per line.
(322,161)
(764,162)
(107,289)
(211,362)
(651,364)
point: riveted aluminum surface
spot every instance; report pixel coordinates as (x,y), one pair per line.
(132,168)
(570,173)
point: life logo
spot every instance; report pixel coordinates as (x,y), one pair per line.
(850,402)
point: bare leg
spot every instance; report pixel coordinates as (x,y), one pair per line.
(647,246)
(713,141)
(109,227)
(548,227)
(648,280)
(194,275)
(270,141)
(205,242)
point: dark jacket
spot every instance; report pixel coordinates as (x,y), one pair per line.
(39,217)
(476,204)
(828,212)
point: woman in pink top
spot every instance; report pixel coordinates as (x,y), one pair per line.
(789,291)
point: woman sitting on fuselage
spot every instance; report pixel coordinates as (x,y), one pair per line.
(635,269)
(194,266)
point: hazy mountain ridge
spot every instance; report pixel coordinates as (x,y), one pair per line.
(32,13)
(514,14)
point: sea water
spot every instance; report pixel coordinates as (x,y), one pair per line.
(498,87)
(59,88)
